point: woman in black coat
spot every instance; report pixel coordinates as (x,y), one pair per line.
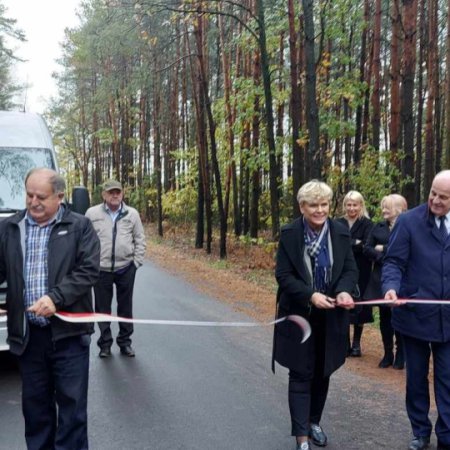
(356,219)
(316,272)
(391,206)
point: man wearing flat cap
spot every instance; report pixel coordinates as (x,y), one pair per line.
(123,245)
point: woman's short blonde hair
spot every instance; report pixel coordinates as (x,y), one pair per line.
(314,190)
(356,197)
(395,201)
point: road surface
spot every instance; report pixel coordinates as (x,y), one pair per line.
(207,388)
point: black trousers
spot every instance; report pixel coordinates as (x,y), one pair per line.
(306,401)
(103,290)
(307,396)
(54,390)
(387,332)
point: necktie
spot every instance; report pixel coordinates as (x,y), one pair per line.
(443,228)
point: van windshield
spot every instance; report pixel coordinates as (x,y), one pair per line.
(14,165)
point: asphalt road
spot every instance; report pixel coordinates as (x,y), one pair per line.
(206,388)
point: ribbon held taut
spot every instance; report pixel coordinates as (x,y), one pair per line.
(301,322)
(419,301)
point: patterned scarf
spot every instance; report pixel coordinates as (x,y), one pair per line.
(317,248)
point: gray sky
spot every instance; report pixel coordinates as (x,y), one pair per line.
(43,22)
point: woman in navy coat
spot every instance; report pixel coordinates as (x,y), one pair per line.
(316,272)
(357,220)
(375,249)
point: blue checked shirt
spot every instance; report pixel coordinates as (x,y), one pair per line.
(36,263)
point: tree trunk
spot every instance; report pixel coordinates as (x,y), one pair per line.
(255,173)
(295,109)
(231,181)
(376,70)
(420,105)
(394,124)
(204,92)
(265,72)
(430,141)
(314,160)
(447,92)
(407,96)
(362,77)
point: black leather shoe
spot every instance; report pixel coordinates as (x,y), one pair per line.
(441,446)
(419,443)
(317,435)
(127,350)
(356,352)
(387,361)
(105,352)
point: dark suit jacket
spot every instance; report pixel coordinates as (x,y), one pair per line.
(417,265)
(294,294)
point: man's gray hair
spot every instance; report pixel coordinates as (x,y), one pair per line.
(56,181)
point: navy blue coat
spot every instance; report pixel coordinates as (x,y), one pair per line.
(417,265)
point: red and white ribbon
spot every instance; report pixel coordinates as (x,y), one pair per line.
(100,317)
(419,301)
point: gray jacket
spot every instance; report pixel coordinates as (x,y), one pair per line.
(123,241)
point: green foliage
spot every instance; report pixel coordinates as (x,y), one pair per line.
(180,206)
(286,201)
(268,246)
(248,240)
(9,33)
(105,135)
(142,198)
(375,177)
(96,196)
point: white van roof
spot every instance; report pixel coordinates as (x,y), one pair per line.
(24,130)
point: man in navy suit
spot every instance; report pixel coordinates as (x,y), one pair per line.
(417,266)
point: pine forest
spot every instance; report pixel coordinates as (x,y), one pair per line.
(212,113)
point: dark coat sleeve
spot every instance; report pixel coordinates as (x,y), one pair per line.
(77,281)
(397,257)
(378,235)
(349,275)
(294,283)
(361,234)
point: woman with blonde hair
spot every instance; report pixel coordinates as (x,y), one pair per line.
(316,274)
(356,219)
(391,207)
